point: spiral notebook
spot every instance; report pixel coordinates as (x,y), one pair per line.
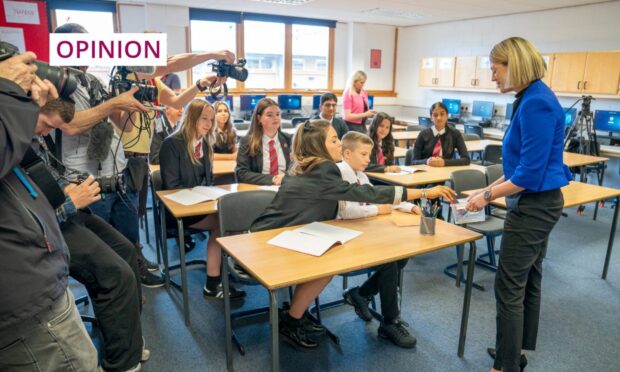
(314,239)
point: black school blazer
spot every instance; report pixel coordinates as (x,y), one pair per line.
(249,168)
(177,170)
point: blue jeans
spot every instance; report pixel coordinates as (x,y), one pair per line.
(120,211)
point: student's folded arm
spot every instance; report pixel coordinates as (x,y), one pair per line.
(352,210)
(375,168)
(244,173)
(418,149)
(170,166)
(335,188)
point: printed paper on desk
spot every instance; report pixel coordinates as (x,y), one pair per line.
(198,194)
(313,239)
(404,170)
(462,215)
(270,188)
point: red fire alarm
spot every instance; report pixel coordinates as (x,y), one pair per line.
(375,58)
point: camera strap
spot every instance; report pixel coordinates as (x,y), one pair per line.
(36,169)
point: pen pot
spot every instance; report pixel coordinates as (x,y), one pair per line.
(427,225)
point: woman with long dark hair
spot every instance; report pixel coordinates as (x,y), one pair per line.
(382,155)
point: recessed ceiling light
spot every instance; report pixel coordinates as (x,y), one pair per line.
(393,13)
(284,2)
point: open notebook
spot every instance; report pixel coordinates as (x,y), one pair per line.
(197,195)
(314,239)
(405,169)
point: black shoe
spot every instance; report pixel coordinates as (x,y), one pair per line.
(294,333)
(143,263)
(218,293)
(397,333)
(151,266)
(311,326)
(522,362)
(151,280)
(190,244)
(360,303)
(237,272)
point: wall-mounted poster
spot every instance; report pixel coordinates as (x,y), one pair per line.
(375,58)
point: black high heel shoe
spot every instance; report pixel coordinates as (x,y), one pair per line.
(522,362)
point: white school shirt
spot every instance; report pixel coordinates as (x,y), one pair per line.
(279,152)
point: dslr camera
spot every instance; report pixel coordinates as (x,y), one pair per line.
(236,71)
(107,184)
(65,79)
(119,84)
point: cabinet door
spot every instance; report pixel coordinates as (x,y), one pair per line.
(427,71)
(568,71)
(465,74)
(445,72)
(549,61)
(602,73)
(484,74)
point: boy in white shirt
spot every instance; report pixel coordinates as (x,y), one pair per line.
(356,150)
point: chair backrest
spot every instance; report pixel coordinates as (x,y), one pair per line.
(156,180)
(286,125)
(471,137)
(296,121)
(425,121)
(474,129)
(242,126)
(238,210)
(492,155)
(467,179)
(494,172)
(414,128)
(237,121)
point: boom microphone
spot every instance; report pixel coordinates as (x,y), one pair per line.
(100,141)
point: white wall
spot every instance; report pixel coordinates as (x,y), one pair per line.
(583,28)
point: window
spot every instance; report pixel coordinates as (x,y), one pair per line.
(310,54)
(264,42)
(95,22)
(210,36)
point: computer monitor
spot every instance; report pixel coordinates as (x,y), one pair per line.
(249,101)
(607,121)
(289,101)
(509,111)
(569,116)
(484,109)
(453,105)
(228,100)
(371,102)
(316,101)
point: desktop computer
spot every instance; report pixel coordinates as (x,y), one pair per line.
(484,110)
(371,102)
(248,103)
(569,116)
(290,104)
(316,102)
(228,100)
(607,121)
(509,108)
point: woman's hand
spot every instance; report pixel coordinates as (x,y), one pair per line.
(370,113)
(416,209)
(476,203)
(441,192)
(277,180)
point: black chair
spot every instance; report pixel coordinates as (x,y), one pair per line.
(286,125)
(415,128)
(242,125)
(299,120)
(492,154)
(425,121)
(474,129)
(494,172)
(492,227)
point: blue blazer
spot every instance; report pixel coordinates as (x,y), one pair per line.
(534,142)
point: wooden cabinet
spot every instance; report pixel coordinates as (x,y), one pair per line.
(436,72)
(568,71)
(591,73)
(473,72)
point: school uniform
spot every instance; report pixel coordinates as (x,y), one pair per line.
(428,145)
(257,169)
(221,146)
(378,160)
(338,124)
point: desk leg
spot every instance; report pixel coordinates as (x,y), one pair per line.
(612,234)
(164,243)
(467,299)
(227,315)
(459,266)
(275,342)
(183,270)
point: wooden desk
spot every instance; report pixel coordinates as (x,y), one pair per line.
(276,267)
(406,135)
(479,146)
(429,175)
(179,211)
(611,151)
(399,152)
(578,193)
(220,167)
(572,159)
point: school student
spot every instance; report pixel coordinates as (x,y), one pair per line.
(187,161)
(382,156)
(435,146)
(264,154)
(225,146)
(356,149)
(311,193)
(164,126)
(328,112)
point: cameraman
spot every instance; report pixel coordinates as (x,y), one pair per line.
(40,327)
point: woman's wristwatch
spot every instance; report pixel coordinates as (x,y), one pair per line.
(488,195)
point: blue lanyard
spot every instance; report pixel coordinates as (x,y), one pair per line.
(25,181)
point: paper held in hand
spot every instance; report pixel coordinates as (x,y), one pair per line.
(462,215)
(197,195)
(314,239)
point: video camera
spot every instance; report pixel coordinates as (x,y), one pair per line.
(64,78)
(119,84)
(236,71)
(107,184)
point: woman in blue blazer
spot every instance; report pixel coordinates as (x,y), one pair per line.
(534,172)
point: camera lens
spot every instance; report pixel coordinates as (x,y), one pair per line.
(63,78)
(239,73)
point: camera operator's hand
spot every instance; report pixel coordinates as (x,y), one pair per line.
(127,102)
(42,91)
(208,80)
(226,55)
(20,69)
(84,194)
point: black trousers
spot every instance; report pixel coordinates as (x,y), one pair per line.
(385,282)
(529,221)
(104,261)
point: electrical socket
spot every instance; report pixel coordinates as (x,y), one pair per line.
(465,107)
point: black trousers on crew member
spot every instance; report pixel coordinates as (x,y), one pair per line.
(529,221)
(385,282)
(104,261)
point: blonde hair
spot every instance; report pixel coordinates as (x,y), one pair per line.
(522,60)
(352,140)
(357,76)
(256,129)
(189,131)
(309,148)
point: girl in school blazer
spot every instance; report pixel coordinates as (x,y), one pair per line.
(187,161)
(225,144)
(311,193)
(382,155)
(253,158)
